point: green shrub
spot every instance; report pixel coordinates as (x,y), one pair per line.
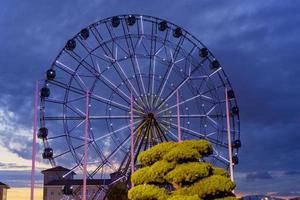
(219,171)
(182,154)
(188,172)
(156,153)
(183,197)
(159,169)
(212,186)
(141,176)
(147,192)
(173,171)
(202,146)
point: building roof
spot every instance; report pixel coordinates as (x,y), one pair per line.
(78,182)
(3,185)
(57,169)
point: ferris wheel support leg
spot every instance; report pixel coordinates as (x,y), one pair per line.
(131,136)
(85,145)
(34,140)
(228,136)
(178,117)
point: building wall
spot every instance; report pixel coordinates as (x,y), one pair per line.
(3,194)
(55,175)
(55,193)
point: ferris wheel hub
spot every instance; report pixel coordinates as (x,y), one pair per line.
(150,115)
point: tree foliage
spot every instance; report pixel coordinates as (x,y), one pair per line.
(175,171)
(147,192)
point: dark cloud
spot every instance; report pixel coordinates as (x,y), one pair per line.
(258,175)
(292,173)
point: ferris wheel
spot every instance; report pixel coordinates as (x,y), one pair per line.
(154,61)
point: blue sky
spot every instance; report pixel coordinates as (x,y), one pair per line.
(257,43)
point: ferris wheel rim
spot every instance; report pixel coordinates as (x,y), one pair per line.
(156,21)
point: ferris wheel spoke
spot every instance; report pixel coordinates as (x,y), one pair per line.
(55,137)
(215,72)
(165,80)
(113,117)
(159,132)
(61,154)
(191,116)
(93,71)
(138,142)
(114,61)
(168,75)
(97,149)
(111,155)
(73,89)
(214,123)
(202,96)
(118,130)
(105,59)
(85,45)
(92,117)
(131,51)
(131,87)
(177,87)
(51,100)
(156,136)
(211,109)
(154,68)
(141,79)
(64,67)
(111,83)
(151,53)
(207,137)
(169,67)
(150,136)
(78,125)
(185,129)
(66,152)
(114,86)
(76,138)
(221,158)
(76,110)
(115,42)
(134,63)
(169,131)
(142,135)
(195,134)
(113,103)
(172,93)
(49,118)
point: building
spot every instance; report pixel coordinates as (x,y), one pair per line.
(57,185)
(3,191)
